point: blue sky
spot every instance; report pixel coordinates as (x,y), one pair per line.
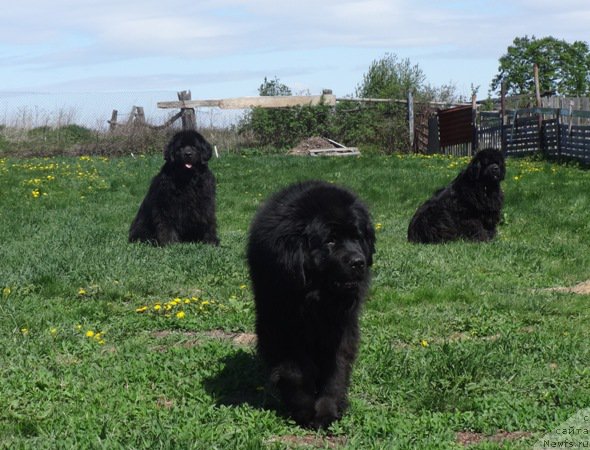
(225,48)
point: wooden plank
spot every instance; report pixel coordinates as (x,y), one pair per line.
(346,151)
(337,144)
(251,102)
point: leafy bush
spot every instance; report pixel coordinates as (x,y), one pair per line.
(284,127)
(383,126)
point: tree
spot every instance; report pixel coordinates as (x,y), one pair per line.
(271,88)
(390,77)
(563,68)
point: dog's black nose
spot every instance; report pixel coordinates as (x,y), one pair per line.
(357,263)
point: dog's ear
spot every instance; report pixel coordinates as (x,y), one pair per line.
(170,149)
(292,261)
(205,150)
(473,170)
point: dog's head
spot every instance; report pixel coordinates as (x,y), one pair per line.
(337,242)
(487,166)
(188,149)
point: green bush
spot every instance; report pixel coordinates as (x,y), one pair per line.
(382,126)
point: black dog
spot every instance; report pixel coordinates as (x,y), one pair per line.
(309,252)
(180,203)
(469,208)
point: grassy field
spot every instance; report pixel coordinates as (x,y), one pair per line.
(111,345)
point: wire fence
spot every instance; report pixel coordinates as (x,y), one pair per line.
(94,109)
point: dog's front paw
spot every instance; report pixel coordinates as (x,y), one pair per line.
(326,412)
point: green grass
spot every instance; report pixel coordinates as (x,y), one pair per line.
(456,338)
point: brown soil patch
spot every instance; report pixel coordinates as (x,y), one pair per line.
(292,441)
(467,438)
(241,339)
(164,403)
(196,338)
(311,143)
(580,288)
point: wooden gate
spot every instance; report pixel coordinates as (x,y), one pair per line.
(456,129)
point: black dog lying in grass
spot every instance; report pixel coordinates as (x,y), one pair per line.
(469,208)
(310,250)
(180,203)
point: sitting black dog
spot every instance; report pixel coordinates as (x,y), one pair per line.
(309,251)
(180,203)
(469,208)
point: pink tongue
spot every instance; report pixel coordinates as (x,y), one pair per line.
(188,166)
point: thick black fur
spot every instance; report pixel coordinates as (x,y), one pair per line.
(469,208)
(180,203)
(309,252)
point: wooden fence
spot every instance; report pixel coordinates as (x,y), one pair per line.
(552,132)
(548,131)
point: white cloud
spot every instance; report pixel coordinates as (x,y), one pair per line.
(141,43)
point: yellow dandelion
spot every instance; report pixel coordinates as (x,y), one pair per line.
(378,226)
(424,343)
(35,193)
(205,302)
(157,307)
(6,292)
(141,309)
(90,334)
(53,331)
(24,331)
(180,315)
(187,301)
(82,291)
(243,286)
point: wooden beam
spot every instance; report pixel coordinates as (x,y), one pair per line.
(250,102)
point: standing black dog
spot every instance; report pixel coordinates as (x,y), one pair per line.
(309,251)
(469,208)
(180,203)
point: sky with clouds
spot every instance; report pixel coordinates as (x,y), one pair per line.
(225,48)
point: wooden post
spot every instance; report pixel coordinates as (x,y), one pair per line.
(131,117)
(139,115)
(503,117)
(113,121)
(189,120)
(474,142)
(538,101)
(411,119)
(537,85)
(558,117)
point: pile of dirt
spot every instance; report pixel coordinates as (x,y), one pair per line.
(311,143)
